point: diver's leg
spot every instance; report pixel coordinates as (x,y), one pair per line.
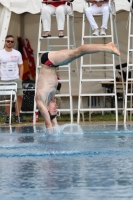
(66,56)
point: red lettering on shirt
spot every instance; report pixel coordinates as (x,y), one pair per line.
(14,56)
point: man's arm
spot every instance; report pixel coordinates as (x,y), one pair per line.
(21,71)
(46,116)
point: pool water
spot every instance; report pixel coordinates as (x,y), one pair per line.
(95,163)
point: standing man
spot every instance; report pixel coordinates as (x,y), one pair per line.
(11,70)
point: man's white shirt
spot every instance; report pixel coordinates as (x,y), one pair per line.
(9,62)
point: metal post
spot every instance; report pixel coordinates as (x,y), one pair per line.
(5,20)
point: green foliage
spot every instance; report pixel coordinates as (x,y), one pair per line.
(95,117)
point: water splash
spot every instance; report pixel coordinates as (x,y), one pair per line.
(71,129)
(52,131)
(64,129)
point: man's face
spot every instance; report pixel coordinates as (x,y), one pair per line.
(9,42)
(52,107)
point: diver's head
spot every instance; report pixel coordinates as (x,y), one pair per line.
(52,108)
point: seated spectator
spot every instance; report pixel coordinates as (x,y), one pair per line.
(54,8)
(98,7)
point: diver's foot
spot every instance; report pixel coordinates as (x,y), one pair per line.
(113,49)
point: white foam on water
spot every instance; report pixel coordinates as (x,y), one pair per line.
(53,131)
(64,129)
(71,129)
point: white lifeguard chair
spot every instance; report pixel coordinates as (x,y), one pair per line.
(63,70)
(87,70)
(9,91)
(129,80)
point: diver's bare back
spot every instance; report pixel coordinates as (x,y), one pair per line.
(47,83)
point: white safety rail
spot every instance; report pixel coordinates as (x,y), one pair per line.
(91,68)
(129,80)
(62,69)
(9,92)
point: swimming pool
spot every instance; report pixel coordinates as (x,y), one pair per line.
(96,164)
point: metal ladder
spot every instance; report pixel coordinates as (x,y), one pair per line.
(62,69)
(89,81)
(129,94)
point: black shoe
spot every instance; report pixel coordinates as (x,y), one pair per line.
(7,120)
(16,119)
(22,119)
(61,35)
(45,36)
